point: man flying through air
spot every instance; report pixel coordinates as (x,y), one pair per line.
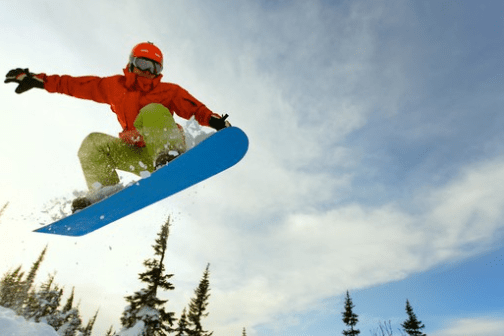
(144,107)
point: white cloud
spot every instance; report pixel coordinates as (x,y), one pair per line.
(478,326)
(298,79)
(302,258)
(469,207)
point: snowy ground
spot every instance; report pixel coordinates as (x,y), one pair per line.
(14,325)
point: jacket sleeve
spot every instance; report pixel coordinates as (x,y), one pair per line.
(186,106)
(87,87)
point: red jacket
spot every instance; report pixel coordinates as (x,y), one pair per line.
(127,94)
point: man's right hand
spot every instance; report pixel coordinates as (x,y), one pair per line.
(25,79)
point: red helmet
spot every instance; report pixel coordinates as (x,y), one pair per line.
(147,50)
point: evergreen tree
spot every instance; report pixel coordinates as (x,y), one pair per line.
(10,287)
(412,326)
(144,305)
(244,333)
(349,318)
(110,331)
(67,321)
(31,305)
(3,208)
(57,318)
(14,289)
(182,324)
(43,304)
(86,331)
(198,306)
(26,285)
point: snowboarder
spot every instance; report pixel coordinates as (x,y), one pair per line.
(144,107)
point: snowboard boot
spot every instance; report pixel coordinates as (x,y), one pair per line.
(80,203)
(97,194)
(164,157)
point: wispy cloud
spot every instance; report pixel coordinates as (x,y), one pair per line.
(481,326)
(308,256)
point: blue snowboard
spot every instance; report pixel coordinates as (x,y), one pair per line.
(213,155)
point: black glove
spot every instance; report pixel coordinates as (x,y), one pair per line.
(218,122)
(25,79)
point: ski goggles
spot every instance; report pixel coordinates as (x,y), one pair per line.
(146,64)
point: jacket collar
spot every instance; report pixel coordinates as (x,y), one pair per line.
(135,82)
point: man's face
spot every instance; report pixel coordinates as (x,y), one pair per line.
(145,74)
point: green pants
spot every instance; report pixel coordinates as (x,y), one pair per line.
(101,154)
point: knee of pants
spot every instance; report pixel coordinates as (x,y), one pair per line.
(150,115)
(91,143)
(154,110)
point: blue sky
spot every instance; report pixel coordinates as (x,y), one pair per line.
(375,165)
(448,293)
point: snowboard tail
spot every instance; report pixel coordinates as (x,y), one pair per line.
(213,155)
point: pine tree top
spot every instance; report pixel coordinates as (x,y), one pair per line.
(349,317)
(198,305)
(412,326)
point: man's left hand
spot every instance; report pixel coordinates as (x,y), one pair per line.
(217,122)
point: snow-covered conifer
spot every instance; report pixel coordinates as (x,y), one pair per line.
(66,321)
(44,303)
(14,289)
(41,304)
(146,312)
